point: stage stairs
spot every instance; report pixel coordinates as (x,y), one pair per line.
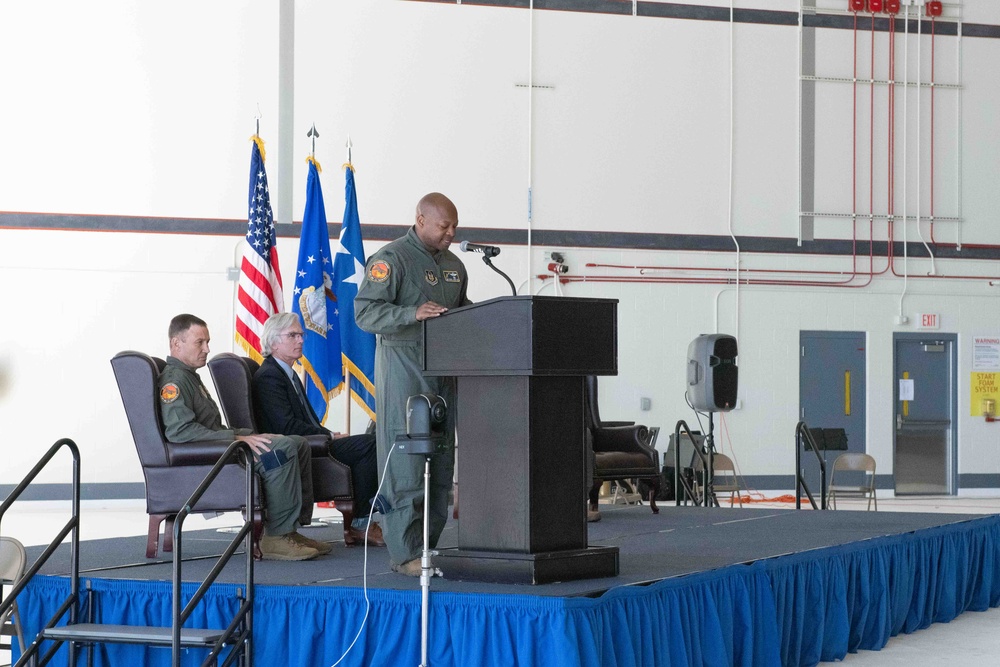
(79,633)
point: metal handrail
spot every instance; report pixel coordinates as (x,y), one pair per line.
(802,434)
(240,629)
(72,526)
(241,626)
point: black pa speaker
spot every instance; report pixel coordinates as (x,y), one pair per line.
(712,374)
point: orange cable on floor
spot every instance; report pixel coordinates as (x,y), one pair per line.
(753,496)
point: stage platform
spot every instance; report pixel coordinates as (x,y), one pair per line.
(696,586)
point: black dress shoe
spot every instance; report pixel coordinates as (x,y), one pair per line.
(355,536)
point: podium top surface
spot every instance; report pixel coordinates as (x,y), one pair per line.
(524,335)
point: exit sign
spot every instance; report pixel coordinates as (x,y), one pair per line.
(928,321)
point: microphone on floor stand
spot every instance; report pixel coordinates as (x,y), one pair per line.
(425,421)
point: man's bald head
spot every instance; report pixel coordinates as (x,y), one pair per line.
(437,219)
(437,202)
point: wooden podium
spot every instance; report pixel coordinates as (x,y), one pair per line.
(520,363)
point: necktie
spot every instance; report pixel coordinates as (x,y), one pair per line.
(300,390)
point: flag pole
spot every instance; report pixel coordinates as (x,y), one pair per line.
(347,401)
(347,370)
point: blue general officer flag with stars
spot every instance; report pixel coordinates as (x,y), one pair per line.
(357,346)
(314,300)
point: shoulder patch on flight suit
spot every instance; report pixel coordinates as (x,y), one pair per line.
(431,277)
(379,272)
(169,393)
(452,277)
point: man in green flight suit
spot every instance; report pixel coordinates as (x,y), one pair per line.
(284,463)
(408,281)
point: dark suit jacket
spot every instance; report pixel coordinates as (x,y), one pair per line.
(276,404)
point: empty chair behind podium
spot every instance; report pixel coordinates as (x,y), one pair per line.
(621,450)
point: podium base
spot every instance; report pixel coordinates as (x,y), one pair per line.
(502,567)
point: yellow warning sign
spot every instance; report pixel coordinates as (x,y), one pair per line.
(984,394)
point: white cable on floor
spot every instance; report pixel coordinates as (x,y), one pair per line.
(364,577)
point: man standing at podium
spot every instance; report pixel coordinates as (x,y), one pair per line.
(412,279)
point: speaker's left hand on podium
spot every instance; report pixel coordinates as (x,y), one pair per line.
(429,309)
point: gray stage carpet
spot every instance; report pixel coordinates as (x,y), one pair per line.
(676,542)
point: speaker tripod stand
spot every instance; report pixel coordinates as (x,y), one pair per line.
(708,498)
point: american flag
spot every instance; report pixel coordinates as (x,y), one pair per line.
(260,294)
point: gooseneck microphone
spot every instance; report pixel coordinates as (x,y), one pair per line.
(488,250)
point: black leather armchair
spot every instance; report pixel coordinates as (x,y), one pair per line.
(232,376)
(173,470)
(621,450)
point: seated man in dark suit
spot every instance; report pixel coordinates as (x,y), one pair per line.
(280,405)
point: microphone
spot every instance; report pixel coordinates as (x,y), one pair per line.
(488,250)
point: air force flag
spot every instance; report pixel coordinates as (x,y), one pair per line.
(357,346)
(315,301)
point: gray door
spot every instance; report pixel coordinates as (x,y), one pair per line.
(831,393)
(924,393)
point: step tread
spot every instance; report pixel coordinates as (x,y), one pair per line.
(132,634)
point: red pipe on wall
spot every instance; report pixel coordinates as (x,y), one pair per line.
(847,277)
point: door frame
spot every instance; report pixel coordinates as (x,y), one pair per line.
(952,451)
(858,437)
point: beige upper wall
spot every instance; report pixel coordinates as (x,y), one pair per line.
(144,109)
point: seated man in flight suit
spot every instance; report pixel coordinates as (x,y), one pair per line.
(283,462)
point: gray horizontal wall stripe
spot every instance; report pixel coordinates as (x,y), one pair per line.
(121,223)
(595,6)
(137,490)
(515,237)
(110,491)
(976,480)
(980,30)
(676,10)
(768,482)
(940,28)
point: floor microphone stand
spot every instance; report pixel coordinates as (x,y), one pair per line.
(426,570)
(424,412)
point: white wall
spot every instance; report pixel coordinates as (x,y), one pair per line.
(144,109)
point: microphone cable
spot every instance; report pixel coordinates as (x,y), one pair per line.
(364,577)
